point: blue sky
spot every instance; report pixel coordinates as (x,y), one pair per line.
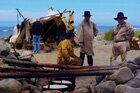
(103,11)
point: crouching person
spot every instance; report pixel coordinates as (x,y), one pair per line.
(66,56)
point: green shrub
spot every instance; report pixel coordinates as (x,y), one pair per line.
(108,35)
(137,33)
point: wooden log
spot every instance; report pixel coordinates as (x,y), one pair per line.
(21,69)
(54,74)
(15,62)
(34,70)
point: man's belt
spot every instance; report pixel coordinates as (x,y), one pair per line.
(120,41)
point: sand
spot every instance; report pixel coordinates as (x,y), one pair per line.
(101,57)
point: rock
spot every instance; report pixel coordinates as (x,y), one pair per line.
(99,78)
(16,54)
(131,66)
(4,46)
(92,88)
(135,83)
(26,55)
(137,60)
(28,86)
(25,91)
(137,74)
(4,53)
(11,56)
(122,75)
(115,63)
(52,91)
(126,89)
(123,89)
(82,90)
(105,87)
(10,86)
(132,62)
(1,61)
(84,81)
(33,59)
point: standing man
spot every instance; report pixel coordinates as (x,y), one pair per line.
(37,29)
(122,34)
(87,30)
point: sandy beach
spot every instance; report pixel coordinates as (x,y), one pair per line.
(102,55)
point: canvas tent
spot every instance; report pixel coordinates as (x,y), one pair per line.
(54,28)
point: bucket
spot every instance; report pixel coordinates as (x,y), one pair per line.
(60,87)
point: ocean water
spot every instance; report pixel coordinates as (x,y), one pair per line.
(7,31)
(104,29)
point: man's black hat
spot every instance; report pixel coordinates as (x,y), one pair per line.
(120,15)
(87,13)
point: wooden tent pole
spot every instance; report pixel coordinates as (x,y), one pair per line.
(20,13)
(48,29)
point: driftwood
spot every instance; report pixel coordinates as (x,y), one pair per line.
(21,69)
(36,70)
(54,74)
(20,57)
(14,62)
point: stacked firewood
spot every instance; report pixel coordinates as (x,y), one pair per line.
(135,43)
(32,72)
(31,75)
